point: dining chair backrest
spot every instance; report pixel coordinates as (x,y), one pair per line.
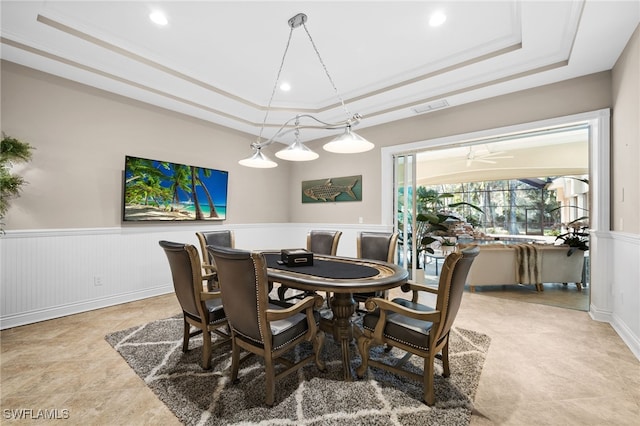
(323,242)
(451,287)
(187,276)
(377,245)
(243,282)
(222,238)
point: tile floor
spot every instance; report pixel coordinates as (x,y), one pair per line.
(554,294)
(546,366)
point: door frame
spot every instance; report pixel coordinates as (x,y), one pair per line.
(599,179)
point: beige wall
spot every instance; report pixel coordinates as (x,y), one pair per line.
(625,145)
(82,135)
(589,93)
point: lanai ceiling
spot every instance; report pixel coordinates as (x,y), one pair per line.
(218,61)
(562,151)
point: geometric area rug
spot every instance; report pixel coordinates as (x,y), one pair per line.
(307,397)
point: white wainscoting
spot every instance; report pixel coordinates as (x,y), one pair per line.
(624,273)
(47,274)
(615,293)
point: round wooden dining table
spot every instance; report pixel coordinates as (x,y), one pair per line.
(341,276)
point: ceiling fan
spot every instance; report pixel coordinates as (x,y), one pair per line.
(487,156)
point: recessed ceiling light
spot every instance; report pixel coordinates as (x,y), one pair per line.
(158,17)
(285,87)
(437,19)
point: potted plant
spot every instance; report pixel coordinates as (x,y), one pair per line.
(576,237)
(435,218)
(12,151)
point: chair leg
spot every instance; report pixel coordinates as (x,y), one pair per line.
(185,338)
(429,393)
(206,349)
(364,344)
(235,360)
(281,291)
(318,344)
(445,359)
(270,381)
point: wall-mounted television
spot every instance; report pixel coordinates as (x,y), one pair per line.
(163,191)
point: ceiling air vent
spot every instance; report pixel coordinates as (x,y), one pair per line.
(430,106)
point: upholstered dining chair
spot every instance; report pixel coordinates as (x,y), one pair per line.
(376,246)
(260,326)
(323,241)
(224,238)
(414,327)
(200,309)
(318,242)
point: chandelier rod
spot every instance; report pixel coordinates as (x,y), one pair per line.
(347,142)
(275,86)
(335,89)
(300,20)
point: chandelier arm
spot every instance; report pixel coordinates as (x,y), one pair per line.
(258,144)
(325,69)
(351,121)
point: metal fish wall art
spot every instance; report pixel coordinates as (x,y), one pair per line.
(330,189)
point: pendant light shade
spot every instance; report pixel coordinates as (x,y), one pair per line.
(258,160)
(348,143)
(297,151)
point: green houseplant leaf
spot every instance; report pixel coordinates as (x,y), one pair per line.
(12,151)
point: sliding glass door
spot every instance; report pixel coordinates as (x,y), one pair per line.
(404,204)
(420,164)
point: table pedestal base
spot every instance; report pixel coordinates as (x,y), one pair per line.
(343,307)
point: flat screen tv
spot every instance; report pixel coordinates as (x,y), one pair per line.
(163,191)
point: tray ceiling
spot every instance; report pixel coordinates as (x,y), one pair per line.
(218,61)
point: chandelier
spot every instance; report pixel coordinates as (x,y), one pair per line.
(347,142)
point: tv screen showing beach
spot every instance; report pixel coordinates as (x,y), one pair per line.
(163,191)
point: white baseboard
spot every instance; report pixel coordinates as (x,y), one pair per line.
(600,315)
(626,335)
(51,312)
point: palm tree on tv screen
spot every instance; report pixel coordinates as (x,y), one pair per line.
(180,180)
(143,182)
(196,201)
(206,173)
